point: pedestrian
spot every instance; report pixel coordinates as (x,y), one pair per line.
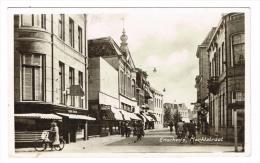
(123,129)
(171,126)
(126,129)
(180,129)
(54,134)
(192,131)
(241,136)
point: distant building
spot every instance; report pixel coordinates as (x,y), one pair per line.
(184,111)
(226,84)
(202,104)
(157,107)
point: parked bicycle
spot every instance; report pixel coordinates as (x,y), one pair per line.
(43,143)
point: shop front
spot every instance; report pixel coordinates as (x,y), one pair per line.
(32,118)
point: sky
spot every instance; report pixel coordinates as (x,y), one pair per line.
(165,38)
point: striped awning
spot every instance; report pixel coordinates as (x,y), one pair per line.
(117,114)
(128,116)
(148,118)
(38,116)
(76,116)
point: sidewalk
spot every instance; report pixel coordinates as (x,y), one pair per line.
(82,144)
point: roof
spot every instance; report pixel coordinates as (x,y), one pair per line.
(104,46)
(206,40)
(224,15)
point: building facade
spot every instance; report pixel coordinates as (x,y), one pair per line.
(202,104)
(156,108)
(227,74)
(117,95)
(50,73)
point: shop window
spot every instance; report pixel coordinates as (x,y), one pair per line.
(32,77)
(238,49)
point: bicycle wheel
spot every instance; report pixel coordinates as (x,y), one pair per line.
(60,146)
(40,145)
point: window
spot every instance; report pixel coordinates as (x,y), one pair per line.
(80,39)
(81,84)
(62,83)
(238,49)
(61,27)
(121,81)
(37,21)
(71,32)
(32,74)
(133,88)
(223,58)
(43,21)
(71,82)
(27,20)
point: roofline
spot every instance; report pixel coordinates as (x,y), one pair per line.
(219,24)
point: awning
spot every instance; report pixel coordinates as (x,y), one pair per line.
(153,116)
(141,116)
(38,116)
(107,115)
(117,114)
(75,116)
(148,118)
(128,116)
(125,115)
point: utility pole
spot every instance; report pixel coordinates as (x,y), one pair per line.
(235,128)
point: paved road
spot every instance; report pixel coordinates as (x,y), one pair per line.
(155,141)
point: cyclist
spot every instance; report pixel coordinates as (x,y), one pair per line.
(54,134)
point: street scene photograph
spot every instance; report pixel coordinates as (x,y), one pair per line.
(130,80)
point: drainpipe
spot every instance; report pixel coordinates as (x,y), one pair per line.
(86,74)
(52,62)
(226,77)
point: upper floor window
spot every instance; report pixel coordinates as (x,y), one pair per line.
(32,77)
(43,21)
(80,78)
(62,82)
(80,39)
(71,32)
(238,49)
(61,27)
(72,82)
(27,20)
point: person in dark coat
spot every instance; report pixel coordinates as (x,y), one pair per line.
(171,126)
(241,136)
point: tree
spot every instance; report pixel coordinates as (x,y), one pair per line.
(177,117)
(167,114)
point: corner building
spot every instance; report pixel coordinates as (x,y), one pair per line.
(227,75)
(50,74)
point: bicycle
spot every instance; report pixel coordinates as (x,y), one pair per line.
(44,142)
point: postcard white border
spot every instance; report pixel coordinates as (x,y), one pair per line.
(7,60)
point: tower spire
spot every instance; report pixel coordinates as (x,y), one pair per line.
(123,39)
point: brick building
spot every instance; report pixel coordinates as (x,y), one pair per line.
(227,74)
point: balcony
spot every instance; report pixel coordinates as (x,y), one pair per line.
(213,84)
